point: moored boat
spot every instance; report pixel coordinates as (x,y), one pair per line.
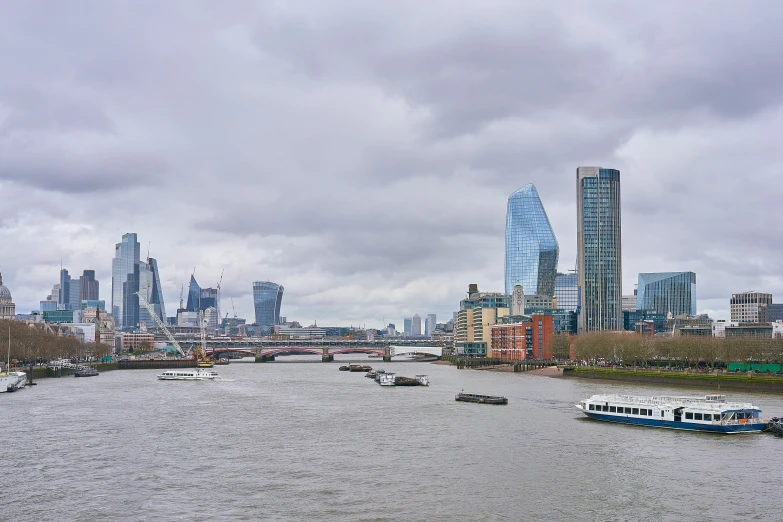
(188,374)
(709,413)
(371,374)
(775,425)
(343,368)
(86,372)
(387,379)
(481,399)
(405,381)
(423,380)
(359,368)
(11,381)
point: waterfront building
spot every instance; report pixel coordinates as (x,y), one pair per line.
(632,318)
(230,325)
(750,307)
(127,255)
(599,249)
(529,339)
(762,331)
(7,306)
(89,288)
(407,325)
(629,303)
(267,299)
(429,325)
(667,292)
(137,341)
(517,300)
(473,327)
(567,291)
(531,247)
(563,321)
(415,326)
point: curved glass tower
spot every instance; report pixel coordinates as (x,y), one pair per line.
(267,298)
(531,247)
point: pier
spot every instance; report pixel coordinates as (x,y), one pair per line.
(483,362)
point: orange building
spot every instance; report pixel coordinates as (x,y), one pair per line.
(514,341)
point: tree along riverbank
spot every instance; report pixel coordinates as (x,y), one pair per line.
(716,381)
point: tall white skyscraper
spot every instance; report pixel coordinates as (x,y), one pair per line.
(429,325)
(415,325)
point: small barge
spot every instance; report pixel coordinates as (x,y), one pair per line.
(86,372)
(481,399)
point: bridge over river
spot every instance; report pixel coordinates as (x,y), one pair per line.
(266,350)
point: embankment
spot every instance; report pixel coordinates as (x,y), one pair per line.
(678,379)
(44,372)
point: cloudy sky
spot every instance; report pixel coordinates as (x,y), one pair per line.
(361,153)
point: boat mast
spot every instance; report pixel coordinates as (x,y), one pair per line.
(8,364)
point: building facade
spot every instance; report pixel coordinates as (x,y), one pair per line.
(631,318)
(126,258)
(667,292)
(774,312)
(415,325)
(473,326)
(267,299)
(750,307)
(531,247)
(567,291)
(531,339)
(429,324)
(7,306)
(406,324)
(89,288)
(599,248)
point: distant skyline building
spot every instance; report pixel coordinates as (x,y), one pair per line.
(194,295)
(599,248)
(64,300)
(750,307)
(667,292)
(415,325)
(7,306)
(125,263)
(89,289)
(567,291)
(267,299)
(407,325)
(429,324)
(531,247)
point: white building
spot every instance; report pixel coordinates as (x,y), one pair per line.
(7,306)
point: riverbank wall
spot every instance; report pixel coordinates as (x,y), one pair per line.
(44,372)
(483,363)
(719,382)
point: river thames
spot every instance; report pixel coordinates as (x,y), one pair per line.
(295,440)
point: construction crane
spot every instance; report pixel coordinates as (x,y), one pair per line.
(217,305)
(161,324)
(201,352)
(232,306)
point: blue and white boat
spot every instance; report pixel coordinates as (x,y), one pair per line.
(708,413)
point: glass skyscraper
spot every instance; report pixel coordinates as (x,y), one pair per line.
(126,259)
(567,291)
(267,298)
(599,263)
(667,292)
(531,247)
(194,295)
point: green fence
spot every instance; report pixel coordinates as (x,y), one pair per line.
(760,367)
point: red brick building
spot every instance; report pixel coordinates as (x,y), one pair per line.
(518,341)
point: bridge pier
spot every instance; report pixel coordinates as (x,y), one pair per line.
(265,358)
(327,357)
(387,358)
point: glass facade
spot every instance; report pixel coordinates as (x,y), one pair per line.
(567,291)
(194,296)
(88,286)
(630,318)
(93,303)
(667,292)
(531,248)
(599,263)
(157,290)
(267,298)
(126,258)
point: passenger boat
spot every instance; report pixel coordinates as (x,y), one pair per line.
(188,374)
(709,413)
(387,379)
(86,372)
(481,399)
(11,381)
(378,374)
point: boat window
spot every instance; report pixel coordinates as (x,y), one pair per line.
(689,415)
(649,413)
(716,417)
(606,408)
(612,409)
(627,410)
(636,411)
(592,407)
(643,411)
(661,413)
(697,416)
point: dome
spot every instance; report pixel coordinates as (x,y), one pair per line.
(5,293)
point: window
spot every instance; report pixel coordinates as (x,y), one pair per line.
(636,411)
(661,413)
(689,415)
(605,407)
(628,410)
(592,407)
(697,416)
(612,409)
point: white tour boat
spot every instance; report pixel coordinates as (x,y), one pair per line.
(709,413)
(189,374)
(11,381)
(387,379)
(422,380)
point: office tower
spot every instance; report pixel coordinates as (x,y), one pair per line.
(130,300)
(599,251)
(750,307)
(126,259)
(407,325)
(64,298)
(208,299)
(267,298)
(567,291)
(88,287)
(157,290)
(429,324)
(531,248)
(667,292)
(194,295)
(416,325)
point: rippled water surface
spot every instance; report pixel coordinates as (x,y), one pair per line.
(295,440)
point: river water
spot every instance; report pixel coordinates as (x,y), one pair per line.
(297,440)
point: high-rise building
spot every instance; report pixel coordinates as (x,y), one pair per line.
(194,295)
(407,325)
(415,325)
(473,326)
(88,287)
(667,292)
(7,306)
(130,300)
(531,248)
(567,291)
(64,298)
(126,258)
(157,290)
(149,287)
(429,324)
(267,298)
(750,307)
(599,248)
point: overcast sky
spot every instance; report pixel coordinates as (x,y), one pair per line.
(361,153)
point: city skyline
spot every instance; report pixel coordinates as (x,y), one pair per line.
(266,179)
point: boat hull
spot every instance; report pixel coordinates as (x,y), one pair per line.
(674,425)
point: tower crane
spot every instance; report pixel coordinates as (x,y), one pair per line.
(217,305)
(161,324)
(232,306)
